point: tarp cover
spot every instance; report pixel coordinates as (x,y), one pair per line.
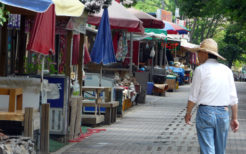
(32,5)
(148,20)
(73,8)
(119,18)
(173,28)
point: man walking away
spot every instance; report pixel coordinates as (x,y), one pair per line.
(213,90)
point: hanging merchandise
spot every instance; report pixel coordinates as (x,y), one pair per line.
(122,48)
(147,45)
(193,58)
(116,36)
(87,57)
(152,53)
(63,48)
(14,21)
(76,46)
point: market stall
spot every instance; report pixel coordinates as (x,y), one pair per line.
(45,44)
(121,22)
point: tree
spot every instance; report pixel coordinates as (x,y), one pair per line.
(233,47)
(233,10)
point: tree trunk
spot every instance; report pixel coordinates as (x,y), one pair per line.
(230,64)
(196,33)
(193,29)
(163,4)
(215,27)
(203,28)
(210,26)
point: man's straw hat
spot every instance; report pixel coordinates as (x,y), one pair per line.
(210,46)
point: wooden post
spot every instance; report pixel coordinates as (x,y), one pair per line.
(44,133)
(12,100)
(22,46)
(72,117)
(131,53)
(4,49)
(108,95)
(28,122)
(161,55)
(81,61)
(78,117)
(156,53)
(68,53)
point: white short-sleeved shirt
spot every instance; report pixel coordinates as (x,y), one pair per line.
(213,84)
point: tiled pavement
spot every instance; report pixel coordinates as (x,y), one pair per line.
(157,127)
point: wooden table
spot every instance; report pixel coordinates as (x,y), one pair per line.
(97,98)
(15,110)
(13,92)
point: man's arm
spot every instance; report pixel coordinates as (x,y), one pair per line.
(190,106)
(234,121)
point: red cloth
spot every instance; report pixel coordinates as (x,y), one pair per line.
(135,53)
(117,1)
(87,57)
(42,39)
(63,49)
(75,57)
(115,41)
(76,42)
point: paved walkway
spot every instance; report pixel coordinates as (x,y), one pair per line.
(157,127)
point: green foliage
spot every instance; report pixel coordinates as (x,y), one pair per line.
(202,8)
(32,68)
(153,5)
(36,66)
(232,9)
(50,65)
(3,14)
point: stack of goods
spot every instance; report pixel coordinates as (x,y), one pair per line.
(128,83)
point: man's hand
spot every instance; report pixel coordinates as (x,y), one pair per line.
(234,125)
(187,118)
(234,122)
(190,106)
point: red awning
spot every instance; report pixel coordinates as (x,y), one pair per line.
(119,18)
(148,20)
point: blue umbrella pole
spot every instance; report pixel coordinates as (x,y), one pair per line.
(100,79)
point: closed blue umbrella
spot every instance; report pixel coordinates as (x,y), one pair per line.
(103,51)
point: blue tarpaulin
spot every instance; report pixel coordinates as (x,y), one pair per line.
(32,5)
(179,71)
(103,51)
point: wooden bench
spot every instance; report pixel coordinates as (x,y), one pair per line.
(111,109)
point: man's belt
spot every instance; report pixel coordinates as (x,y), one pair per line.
(212,106)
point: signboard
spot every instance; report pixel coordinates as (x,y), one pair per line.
(164,15)
(181,22)
(60,99)
(78,24)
